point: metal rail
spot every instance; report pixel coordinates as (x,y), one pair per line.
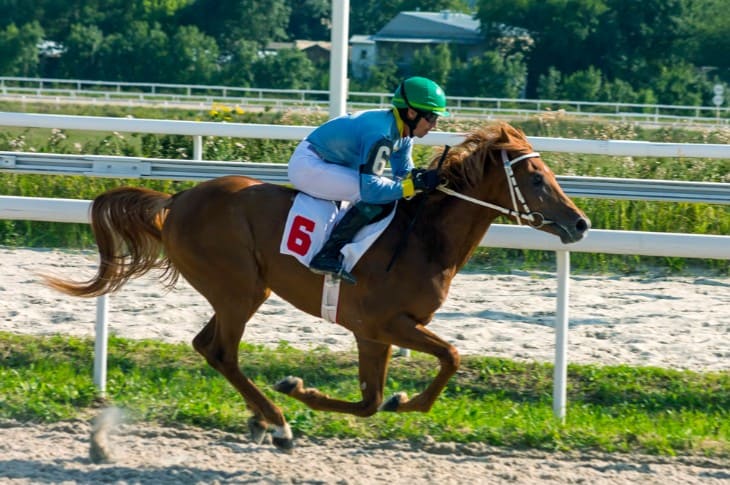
(165,169)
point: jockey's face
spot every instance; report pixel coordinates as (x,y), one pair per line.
(426,123)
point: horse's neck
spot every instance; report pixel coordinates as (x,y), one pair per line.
(461,226)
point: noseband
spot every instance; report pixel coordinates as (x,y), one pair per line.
(534,219)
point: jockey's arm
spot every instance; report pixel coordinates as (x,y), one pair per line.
(375,188)
(401,160)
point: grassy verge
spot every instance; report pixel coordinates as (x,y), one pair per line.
(494,401)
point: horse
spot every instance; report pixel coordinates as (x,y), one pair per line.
(223,236)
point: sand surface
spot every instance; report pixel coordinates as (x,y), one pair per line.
(678,322)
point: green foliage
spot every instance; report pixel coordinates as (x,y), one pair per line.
(494,401)
(644,46)
(490,75)
(707,42)
(229,21)
(19,49)
(434,64)
(84,49)
(193,56)
(289,68)
(309,19)
(670,51)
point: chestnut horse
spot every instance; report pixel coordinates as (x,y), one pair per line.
(223,236)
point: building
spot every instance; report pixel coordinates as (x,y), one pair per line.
(317,51)
(408,32)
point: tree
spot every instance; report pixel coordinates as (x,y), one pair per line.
(549,85)
(682,83)
(624,39)
(309,19)
(82,53)
(238,66)
(490,75)
(383,78)
(636,38)
(288,68)
(585,85)
(19,49)
(707,42)
(194,57)
(558,28)
(435,65)
(139,54)
(229,21)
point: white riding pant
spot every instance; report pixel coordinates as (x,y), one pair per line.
(312,175)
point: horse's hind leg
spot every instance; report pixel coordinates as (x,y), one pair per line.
(257,424)
(407,333)
(218,342)
(373,359)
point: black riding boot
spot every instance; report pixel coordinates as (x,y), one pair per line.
(329,259)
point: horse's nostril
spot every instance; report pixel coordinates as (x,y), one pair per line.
(582,225)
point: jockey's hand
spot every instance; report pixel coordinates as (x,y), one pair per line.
(425,180)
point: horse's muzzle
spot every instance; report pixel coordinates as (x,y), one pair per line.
(574,232)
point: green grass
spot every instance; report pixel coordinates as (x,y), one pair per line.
(490,400)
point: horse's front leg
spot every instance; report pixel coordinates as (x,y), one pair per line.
(407,333)
(373,358)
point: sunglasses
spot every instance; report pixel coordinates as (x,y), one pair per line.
(429,116)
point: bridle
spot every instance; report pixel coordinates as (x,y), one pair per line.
(534,219)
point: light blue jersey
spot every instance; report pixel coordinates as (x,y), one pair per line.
(365,142)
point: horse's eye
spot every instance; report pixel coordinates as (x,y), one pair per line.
(537,179)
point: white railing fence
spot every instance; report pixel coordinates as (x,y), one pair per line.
(506,236)
(203,96)
(199,129)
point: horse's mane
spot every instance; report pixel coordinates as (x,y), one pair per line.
(468,162)
(465,166)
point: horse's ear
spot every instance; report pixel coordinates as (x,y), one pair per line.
(505,134)
(509,132)
(510,136)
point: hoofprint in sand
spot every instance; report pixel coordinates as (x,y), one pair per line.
(677,322)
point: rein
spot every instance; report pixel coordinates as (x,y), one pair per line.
(535,219)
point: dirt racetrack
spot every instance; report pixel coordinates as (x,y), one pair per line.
(59,453)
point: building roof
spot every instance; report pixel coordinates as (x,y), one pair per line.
(301,45)
(431,26)
(362,39)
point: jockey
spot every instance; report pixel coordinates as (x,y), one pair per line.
(345,159)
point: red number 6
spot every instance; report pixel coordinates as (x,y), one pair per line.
(299,240)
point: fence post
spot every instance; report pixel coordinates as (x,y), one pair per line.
(560,371)
(101,343)
(197,147)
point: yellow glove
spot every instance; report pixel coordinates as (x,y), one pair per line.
(408,189)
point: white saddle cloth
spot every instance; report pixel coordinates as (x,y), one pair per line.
(310,223)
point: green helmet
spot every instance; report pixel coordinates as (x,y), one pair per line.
(421,94)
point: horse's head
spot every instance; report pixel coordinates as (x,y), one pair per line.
(497,165)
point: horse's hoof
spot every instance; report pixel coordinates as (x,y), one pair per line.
(288,384)
(392,404)
(283,444)
(282,437)
(256,430)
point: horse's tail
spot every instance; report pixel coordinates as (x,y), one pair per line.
(127,223)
